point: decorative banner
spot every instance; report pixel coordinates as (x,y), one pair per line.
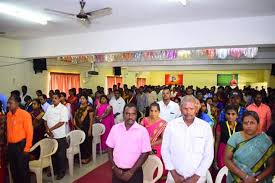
(227,80)
(173,79)
(159,55)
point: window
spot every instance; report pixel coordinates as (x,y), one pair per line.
(113,80)
(64,81)
(141,82)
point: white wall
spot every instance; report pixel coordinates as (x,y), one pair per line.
(219,32)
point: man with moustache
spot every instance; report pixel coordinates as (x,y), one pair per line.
(187,146)
(129,147)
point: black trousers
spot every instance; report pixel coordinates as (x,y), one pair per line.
(59,158)
(19,162)
(136,178)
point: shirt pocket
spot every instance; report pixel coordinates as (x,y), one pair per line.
(198,145)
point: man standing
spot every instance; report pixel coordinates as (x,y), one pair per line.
(19,135)
(142,100)
(44,103)
(24,94)
(55,119)
(187,146)
(129,147)
(169,110)
(4,101)
(118,104)
(262,110)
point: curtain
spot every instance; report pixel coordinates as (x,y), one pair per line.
(110,81)
(141,82)
(113,80)
(64,81)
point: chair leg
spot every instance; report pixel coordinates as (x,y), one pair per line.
(94,152)
(80,162)
(38,175)
(100,148)
(51,167)
(71,164)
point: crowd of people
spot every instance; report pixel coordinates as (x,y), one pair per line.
(192,130)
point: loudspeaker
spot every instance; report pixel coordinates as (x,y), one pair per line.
(39,65)
(273,69)
(117,71)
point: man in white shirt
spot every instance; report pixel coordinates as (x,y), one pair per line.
(56,118)
(24,94)
(44,103)
(169,110)
(118,104)
(187,146)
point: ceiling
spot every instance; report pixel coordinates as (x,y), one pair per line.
(126,13)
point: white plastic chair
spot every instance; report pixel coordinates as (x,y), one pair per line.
(152,164)
(76,137)
(223,172)
(141,117)
(98,130)
(47,148)
(209,177)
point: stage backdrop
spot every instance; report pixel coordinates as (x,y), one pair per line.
(227,79)
(173,79)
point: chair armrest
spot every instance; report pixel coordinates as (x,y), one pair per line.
(34,147)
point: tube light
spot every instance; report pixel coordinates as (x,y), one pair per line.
(23,14)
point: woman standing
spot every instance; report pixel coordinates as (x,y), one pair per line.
(250,156)
(83,120)
(155,127)
(104,115)
(223,132)
(73,100)
(38,125)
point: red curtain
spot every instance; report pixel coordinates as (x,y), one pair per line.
(141,82)
(113,80)
(64,81)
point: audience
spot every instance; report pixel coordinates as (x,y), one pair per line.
(222,110)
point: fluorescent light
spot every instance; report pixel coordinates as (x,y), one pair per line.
(183,2)
(23,14)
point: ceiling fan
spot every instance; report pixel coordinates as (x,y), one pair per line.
(85,17)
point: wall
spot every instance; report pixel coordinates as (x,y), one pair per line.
(207,33)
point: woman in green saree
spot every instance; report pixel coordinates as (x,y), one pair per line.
(249,156)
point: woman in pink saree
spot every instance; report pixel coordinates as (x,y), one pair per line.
(104,115)
(155,127)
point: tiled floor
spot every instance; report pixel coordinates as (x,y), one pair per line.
(78,172)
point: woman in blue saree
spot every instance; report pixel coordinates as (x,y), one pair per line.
(249,156)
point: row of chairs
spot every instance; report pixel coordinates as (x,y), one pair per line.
(48,147)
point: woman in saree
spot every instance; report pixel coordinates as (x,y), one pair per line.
(249,155)
(84,120)
(104,115)
(155,127)
(38,125)
(3,145)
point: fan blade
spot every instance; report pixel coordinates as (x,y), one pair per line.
(59,12)
(100,13)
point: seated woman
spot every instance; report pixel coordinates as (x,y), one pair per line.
(223,132)
(104,115)
(249,156)
(38,125)
(84,120)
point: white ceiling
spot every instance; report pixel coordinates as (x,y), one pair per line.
(126,13)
